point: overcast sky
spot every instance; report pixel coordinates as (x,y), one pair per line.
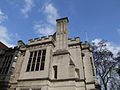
(26,19)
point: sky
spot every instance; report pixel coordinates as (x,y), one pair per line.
(26,19)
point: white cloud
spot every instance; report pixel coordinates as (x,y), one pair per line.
(28,5)
(51,14)
(43,29)
(5,36)
(109,45)
(3,16)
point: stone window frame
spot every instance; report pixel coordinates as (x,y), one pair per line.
(36,60)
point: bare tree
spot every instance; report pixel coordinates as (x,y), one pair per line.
(105,64)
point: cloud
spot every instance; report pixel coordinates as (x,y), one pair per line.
(5,36)
(3,16)
(109,45)
(51,14)
(28,5)
(43,29)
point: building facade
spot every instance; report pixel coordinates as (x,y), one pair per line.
(7,62)
(55,62)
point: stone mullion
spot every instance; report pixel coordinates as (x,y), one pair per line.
(40,59)
(32,60)
(36,60)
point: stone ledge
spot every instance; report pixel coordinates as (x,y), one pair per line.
(60,52)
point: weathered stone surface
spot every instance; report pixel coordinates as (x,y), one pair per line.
(67,63)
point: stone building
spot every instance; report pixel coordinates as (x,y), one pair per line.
(7,58)
(55,62)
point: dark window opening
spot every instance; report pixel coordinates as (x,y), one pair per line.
(42,63)
(55,71)
(36,61)
(30,59)
(37,67)
(42,66)
(39,54)
(31,54)
(6,64)
(44,52)
(29,62)
(28,67)
(3,64)
(32,68)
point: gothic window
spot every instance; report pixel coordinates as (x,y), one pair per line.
(55,71)
(6,64)
(36,61)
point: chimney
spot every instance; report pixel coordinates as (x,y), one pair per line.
(62,34)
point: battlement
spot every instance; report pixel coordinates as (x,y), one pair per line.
(72,41)
(45,39)
(85,45)
(41,40)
